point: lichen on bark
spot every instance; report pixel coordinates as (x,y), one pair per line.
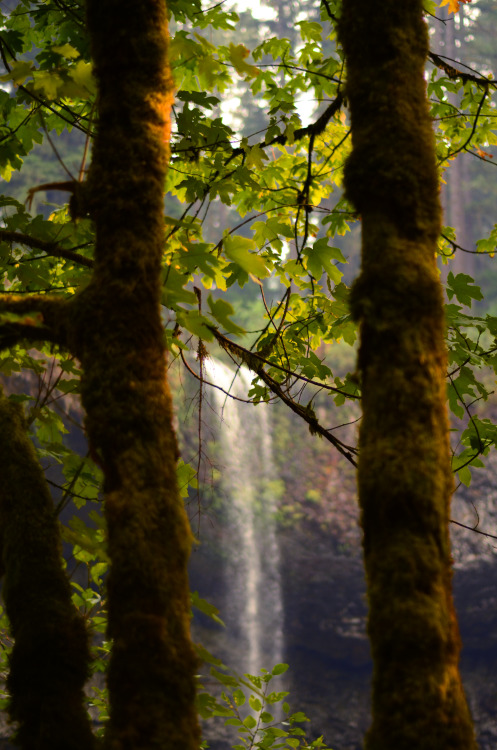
(405,480)
(50,659)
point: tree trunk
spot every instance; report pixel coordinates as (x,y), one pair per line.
(117,333)
(49,663)
(405,480)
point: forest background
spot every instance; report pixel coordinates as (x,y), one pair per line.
(261,247)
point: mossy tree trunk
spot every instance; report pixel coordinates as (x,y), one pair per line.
(405,480)
(117,333)
(49,663)
(114,327)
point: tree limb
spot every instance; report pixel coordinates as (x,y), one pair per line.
(314,129)
(472,528)
(454,73)
(13,333)
(48,247)
(46,320)
(308,415)
(246,356)
(254,362)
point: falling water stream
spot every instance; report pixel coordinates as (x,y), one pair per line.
(253,598)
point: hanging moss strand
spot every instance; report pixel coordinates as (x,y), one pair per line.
(405,480)
(50,659)
(118,336)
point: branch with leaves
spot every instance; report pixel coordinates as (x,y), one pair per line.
(453,73)
(255,362)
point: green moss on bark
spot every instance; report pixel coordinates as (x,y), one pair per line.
(405,480)
(50,659)
(118,336)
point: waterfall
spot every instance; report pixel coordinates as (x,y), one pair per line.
(253,607)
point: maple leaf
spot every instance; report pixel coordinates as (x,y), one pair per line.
(453,4)
(237,55)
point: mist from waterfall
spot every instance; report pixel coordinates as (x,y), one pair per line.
(252,608)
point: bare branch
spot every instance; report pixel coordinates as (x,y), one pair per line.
(472,528)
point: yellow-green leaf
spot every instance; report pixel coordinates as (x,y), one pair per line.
(320,257)
(66,50)
(82,74)
(47,82)
(174,290)
(19,72)
(255,157)
(194,322)
(239,249)
(221,311)
(237,55)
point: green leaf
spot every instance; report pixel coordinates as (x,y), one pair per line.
(224,679)
(266,717)
(250,722)
(221,311)
(239,249)
(206,656)
(174,291)
(463,287)
(464,475)
(274,732)
(19,71)
(256,157)
(66,50)
(187,477)
(196,323)
(320,257)
(47,82)
(299,716)
(198,97)
(310,30)
(204,606)
(82,74)
(279,669)
(222,711)
(237,55)
(97,571)
(255,703)
(239,697)
(276,697)
(234,722)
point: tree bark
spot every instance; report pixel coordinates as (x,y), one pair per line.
(405,480)
(117,334)
(49,663)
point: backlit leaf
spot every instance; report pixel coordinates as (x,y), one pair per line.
(237,55)
(239,249)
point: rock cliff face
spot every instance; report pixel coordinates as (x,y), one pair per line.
(324,593)
(326,644)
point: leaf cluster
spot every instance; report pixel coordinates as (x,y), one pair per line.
(260,716)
